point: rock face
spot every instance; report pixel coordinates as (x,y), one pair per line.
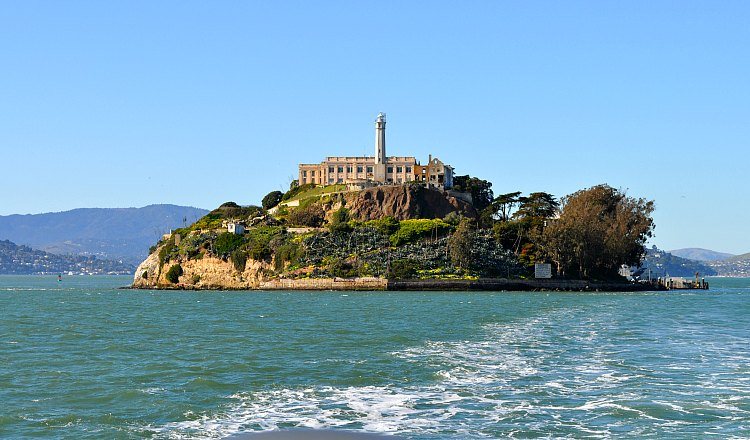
(204,273)
(404,202)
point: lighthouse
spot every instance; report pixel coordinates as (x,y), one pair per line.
(380,174)
(380,139)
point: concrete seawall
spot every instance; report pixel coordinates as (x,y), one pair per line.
(495,284)
(486,284)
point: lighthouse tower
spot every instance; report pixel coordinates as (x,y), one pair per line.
(380,157)
(380,139)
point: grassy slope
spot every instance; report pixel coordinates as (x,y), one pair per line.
(317,192)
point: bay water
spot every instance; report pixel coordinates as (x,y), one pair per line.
(83,359)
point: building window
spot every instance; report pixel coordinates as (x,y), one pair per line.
(399,169)
(359,169)
(369,169)
(330,180)
(304,173)
(399,180)
(408,169)
(340,180)
(390,169)
(330,169)
(349,169)
(341,169)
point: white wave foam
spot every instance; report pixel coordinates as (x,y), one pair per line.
(519,375)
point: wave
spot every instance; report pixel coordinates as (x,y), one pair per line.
(520,378)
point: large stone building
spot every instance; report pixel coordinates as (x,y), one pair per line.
(366,171)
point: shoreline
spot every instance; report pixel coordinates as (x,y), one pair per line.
(382,284)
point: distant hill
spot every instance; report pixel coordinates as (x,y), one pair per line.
(663,263)
(743,257)
(112,233)
(22,260)
(699,254)
(737,266)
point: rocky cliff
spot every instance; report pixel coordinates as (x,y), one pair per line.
(404,202)
(204,273)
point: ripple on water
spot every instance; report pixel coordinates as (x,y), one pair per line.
(518,365)
(519,373)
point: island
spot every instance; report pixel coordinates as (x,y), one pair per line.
(391,223)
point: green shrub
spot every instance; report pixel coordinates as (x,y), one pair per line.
(259,250)
(402,269)
(410,231)
(212,220)
(262,241)
(386,225)
(174,273)
(310,216)
(339,221)
(226,243)
(342,269)
(289,252)
(196,279)
(239,258)
(167,250)
(453,218)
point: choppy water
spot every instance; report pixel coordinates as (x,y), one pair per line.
(81,359)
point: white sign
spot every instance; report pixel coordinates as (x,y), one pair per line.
(543,270)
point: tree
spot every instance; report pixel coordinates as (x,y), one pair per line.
(480,190)
(272,199)
(520,231)
(537,206)
(504,204)
(461,243)
(599,229)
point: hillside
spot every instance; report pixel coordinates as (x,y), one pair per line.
(663,263)
(699,254)
(737,266)
(113,233)
(22,260)
(333,237)
(362,240)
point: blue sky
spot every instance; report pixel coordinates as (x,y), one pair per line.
(114,104)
